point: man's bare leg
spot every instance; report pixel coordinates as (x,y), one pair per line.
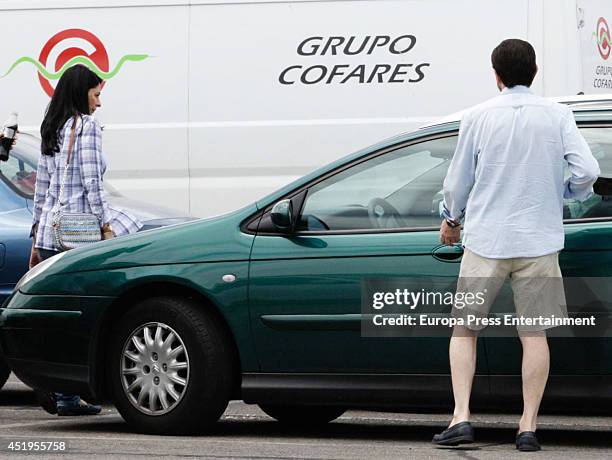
(462,354)
(536,364)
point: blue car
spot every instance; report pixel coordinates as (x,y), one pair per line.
(17,181)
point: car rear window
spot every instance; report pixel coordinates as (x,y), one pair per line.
(20,173)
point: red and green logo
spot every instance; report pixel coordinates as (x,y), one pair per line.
(67,56)
(603,37)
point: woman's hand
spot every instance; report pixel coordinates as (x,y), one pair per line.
(107,232)
(34,257)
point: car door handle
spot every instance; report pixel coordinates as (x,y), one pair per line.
(445,253)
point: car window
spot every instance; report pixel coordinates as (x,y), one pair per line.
(600,141)
(9,200)
(399,189)
(19,173)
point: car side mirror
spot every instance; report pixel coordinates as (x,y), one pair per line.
(282,215)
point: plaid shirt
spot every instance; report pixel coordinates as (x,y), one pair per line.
(83,189)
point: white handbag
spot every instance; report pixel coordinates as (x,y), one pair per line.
(71,229)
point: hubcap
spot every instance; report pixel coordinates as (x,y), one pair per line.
(154,368)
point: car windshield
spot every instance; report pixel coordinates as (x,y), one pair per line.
(19,171)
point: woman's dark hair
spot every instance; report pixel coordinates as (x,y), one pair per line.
(69,99)
(514,61)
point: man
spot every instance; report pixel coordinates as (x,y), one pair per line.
(506,181)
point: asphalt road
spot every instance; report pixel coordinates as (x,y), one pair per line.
(246,432)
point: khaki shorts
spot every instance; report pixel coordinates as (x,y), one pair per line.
(537,287)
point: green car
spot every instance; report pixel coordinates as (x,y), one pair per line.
(264,304)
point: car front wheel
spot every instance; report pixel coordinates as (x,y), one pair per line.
(5,371)
(302,415)
(170,367)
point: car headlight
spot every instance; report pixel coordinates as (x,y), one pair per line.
(38,270)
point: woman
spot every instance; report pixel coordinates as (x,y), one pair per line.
(76,97)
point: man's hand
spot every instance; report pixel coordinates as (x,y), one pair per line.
(449,235)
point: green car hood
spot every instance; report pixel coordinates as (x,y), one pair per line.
(216,239)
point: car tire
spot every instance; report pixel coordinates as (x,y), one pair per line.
(204,368)
(5,371)
(303,416)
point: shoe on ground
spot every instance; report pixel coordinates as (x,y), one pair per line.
(527,442)
(47,401)
(460,433)
(79,408)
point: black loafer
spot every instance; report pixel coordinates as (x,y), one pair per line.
(527,442)
(461,433)
(47,401)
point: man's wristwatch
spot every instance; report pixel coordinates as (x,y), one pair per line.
(453,223)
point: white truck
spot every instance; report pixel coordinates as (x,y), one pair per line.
(209,104)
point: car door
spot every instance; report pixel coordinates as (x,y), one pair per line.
(586,264)
(376,218)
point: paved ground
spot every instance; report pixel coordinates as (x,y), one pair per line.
(245,432)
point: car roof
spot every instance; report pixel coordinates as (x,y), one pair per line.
(31,143)
(578,103)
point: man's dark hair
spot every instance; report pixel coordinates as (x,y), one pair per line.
(514,61)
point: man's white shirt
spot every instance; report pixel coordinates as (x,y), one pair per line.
(506,179)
